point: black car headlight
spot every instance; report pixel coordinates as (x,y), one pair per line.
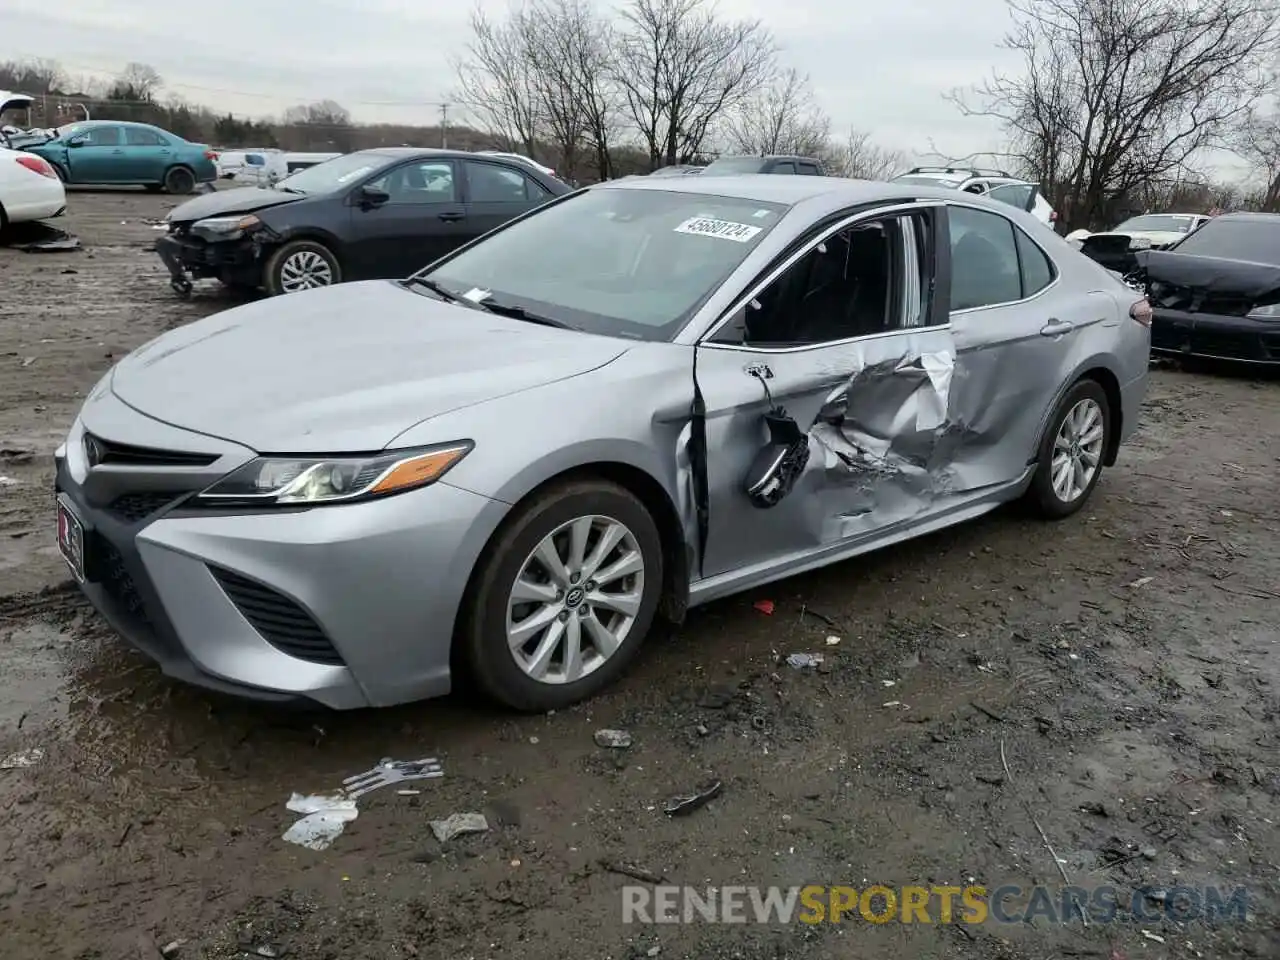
(226,228)
(303,481)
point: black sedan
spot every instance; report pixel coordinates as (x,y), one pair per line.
(369,215)
(1217,293)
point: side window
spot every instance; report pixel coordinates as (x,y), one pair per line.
(784,166)
(492,183)
(863,280)
(101,137)
(810,169)
(1018,195)
(142,137)
(984,259)
(1037,269)
(424,182)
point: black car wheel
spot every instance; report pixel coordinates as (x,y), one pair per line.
(563,596)
(179,180)
(1072,450)
(301,265)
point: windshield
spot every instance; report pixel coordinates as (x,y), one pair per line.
(614,261)
(1158,223)
(735,165)
(332,174)
(1253,241)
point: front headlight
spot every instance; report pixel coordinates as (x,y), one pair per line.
(1269,312)
(302,481)
(226,227)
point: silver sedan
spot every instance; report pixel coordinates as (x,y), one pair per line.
(641,397)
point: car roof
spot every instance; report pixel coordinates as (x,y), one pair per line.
(1247,216)
(789,189)
(403,152)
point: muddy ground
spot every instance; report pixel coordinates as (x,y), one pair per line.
(1125,662)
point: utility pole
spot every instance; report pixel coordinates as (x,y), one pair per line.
(444,126)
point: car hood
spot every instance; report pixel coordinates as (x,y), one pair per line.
(346,368)
(1211,277)
(223,202)
(1158,238)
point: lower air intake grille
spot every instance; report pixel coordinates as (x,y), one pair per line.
(136,507)
(282,623)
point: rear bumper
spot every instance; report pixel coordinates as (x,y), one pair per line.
(1209,336)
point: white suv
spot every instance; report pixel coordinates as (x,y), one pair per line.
(995,184)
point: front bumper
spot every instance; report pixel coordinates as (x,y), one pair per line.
(348,606)
(1210,336)
(187,258)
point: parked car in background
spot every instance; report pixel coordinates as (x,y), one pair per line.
(15,119)
(29,189)
(252,165)
(511,461)
(98,152)
(1116,248)
(773,163)
(1216,293)
(678,170)
(996,184)
(375,213)
(295,161)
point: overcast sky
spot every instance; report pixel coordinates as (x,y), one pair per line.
(882,66)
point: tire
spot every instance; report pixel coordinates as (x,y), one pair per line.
(179,181)
(1087,402)
(507,674)
(300,265)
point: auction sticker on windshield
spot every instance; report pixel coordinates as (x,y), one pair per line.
(722,229)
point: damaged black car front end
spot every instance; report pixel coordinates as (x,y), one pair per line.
(226,248)
(1217,294)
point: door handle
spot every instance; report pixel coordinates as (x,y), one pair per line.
(1056,328)
(452,217)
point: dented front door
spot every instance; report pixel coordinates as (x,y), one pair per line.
(873,409)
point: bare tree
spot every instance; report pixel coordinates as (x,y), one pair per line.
(1257,141)
(567,48)
(323,113)
(780,118)
(1115,94)
(681,69)
(860,158)
(496,80)
(137,83)
(33,77)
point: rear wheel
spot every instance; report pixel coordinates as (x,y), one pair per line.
(179,180)
(301,265)
(1070,460)
(563,597)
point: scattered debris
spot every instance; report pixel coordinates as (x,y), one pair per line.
(801,661)
(23,758)
(764,606)
(683,806)
(266,950)
(459,824)
(8,482)
(833,641)
(36,237)
(613,739)
(894,703)
(171,948)
(1152,936)
(325,816)
(1141,582)
(632,871)
(1095,808)
(889,683)
(390,771)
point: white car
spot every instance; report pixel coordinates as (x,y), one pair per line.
(995,184)
(522,158)
(1150,230)
(29,188)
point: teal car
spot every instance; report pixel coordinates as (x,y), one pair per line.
(116,152)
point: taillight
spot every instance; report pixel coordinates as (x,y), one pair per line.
(1141,311)
(36,165)
(211,154)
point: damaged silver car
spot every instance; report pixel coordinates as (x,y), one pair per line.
(640,397)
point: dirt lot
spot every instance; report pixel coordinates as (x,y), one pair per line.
(1124,662)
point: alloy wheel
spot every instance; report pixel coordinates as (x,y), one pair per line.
(575,600)
(1077,450)
(305,270)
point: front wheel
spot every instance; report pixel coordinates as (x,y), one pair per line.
(1070,460)
(301,265)
(179,181)
(563,597)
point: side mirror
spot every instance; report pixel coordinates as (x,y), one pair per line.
(75,143)
(779,464)
(373,197)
